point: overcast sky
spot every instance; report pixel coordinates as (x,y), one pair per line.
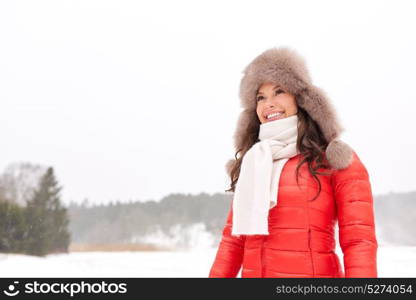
(133,100)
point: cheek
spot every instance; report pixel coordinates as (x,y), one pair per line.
(259,110)
(291,105)
(293,109)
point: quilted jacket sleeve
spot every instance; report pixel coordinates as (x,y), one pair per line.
(354,201)
(230,252)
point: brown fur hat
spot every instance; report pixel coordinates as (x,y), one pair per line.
(287,68)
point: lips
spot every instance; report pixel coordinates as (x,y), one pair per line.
(275,117)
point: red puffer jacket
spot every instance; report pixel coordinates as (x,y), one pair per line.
(301,242)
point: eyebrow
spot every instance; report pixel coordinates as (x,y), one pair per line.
(276,86)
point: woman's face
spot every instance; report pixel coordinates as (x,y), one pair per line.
(274,103)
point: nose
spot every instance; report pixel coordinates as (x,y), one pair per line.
(270,102)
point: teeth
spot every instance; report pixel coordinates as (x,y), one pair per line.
(273,115)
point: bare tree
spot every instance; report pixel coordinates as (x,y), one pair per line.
(19,180)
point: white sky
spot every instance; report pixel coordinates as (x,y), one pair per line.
(133,100)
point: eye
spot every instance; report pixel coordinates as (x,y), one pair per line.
(259,98)
(278,91)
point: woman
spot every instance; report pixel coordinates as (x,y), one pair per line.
(293,179)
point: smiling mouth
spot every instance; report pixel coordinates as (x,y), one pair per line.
(274,116)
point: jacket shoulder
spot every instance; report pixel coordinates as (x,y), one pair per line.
(355,170)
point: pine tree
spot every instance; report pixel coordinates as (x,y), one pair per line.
(47,218)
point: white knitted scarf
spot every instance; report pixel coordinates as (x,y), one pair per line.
(256,190)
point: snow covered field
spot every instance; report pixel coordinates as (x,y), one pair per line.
(393,261)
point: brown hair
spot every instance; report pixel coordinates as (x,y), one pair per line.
(311,144)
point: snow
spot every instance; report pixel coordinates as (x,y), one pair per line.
(393,261)
(195,263)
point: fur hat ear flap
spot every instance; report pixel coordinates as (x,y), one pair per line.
(315,102)
(339,154)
